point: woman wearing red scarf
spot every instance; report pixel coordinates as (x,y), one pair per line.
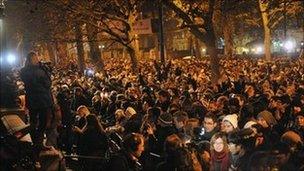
(220,157)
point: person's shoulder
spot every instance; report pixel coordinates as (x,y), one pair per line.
(163,166)
(119,158)
(24,69)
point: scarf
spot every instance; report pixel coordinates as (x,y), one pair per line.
(222,158)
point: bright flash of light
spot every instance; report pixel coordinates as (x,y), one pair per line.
(289,45)
(259,49)
(11,58)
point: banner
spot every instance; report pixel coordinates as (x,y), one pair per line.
(143,26)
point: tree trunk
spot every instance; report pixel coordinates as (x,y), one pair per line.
(267,33)
(208,37)
(80,50)
(131,52)
(212,51)
(95,53)
(197,48)
(228,36)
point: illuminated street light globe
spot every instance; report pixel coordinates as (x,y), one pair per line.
(11,59)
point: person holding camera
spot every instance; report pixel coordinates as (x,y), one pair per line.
(39,101)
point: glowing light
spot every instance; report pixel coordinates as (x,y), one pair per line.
(11,58)
(245,49)
(259,49)
(289,45)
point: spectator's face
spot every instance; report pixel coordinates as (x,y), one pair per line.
(296,109)
(233,148)
(218,145)
(140,149)
(178,124)
(227,127)
(300,121)
(209,124)
(250,91)
(162,98)
(262,122)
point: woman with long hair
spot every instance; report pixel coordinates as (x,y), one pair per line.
(220,156)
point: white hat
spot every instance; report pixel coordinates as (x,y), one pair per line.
(232,119)
(249,124)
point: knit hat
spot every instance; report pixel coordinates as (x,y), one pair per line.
(232,119)
(130,111)
(268,117)
(249,124)
(166,118)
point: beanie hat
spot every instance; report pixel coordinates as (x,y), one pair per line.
(130,111)
(249,124)
(165,118)
(291,138)
(232,119)
(268,117)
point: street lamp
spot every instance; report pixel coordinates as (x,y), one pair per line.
(11,58)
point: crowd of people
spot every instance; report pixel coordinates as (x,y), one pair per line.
(172,117)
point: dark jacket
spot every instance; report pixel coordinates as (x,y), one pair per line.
(161,134)
(93,143)
(37,84)
(122,161)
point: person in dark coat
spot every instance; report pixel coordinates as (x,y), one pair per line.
(37,82)
(92,142)
(79,99)
(164,129)
(177,157)
(127,158)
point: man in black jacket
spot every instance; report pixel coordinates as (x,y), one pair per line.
(127,158)
(39,100)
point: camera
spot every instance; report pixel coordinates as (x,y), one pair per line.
(232,95)
(198,133)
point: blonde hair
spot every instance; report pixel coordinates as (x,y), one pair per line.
(83,109)
(119,115)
